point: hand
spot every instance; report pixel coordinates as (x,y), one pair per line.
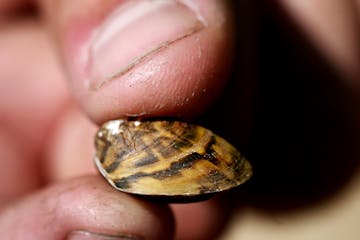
(116,70)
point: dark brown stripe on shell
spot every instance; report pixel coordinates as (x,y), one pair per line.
(115,164)
(182,139)
(145,129)
(190,132)
(150,158)
(174,169)
(210,153)
(104,145)
(181,143)
(163,146)
(216,179)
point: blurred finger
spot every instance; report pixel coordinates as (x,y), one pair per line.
(333,26)
(32,95)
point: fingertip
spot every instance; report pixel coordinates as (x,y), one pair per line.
(86,205)
(146,58)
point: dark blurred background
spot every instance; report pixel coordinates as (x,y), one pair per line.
(287,110)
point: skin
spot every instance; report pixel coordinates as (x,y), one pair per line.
(46,168)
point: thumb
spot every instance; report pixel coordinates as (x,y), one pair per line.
(146,57)
(84,208)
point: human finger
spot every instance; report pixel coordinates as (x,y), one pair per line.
(148,70)
(143,58)
(333,28)
(84,208)
(33,95)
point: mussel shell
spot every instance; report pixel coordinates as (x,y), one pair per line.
(170,160)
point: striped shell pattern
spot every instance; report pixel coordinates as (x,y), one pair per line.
(167,159)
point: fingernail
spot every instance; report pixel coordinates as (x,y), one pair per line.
(134,32)
(85,235)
